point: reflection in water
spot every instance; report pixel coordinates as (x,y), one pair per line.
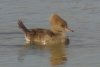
(57,52)
(28,49)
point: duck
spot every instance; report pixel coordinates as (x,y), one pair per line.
(56,34)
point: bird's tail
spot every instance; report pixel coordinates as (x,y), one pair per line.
(22,26)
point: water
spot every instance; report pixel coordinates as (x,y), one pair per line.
(81,15)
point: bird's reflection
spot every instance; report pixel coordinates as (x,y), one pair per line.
(57,51)
(58,54)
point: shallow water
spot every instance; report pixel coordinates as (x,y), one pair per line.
(83,16)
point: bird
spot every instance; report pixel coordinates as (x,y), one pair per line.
(56,34)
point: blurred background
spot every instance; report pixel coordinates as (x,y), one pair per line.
(83,16)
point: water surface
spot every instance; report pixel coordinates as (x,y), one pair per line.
(83,16)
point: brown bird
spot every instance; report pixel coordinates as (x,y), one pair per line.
(47,36)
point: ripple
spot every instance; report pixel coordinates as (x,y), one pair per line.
(5,33)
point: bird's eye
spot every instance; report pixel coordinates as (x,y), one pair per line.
(62,25)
